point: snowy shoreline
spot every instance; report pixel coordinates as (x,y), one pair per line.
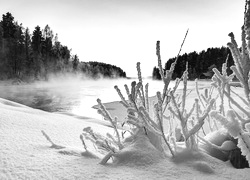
(26,154)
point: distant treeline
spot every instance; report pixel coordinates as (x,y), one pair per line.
(98,69)
(35,56)
(200,65)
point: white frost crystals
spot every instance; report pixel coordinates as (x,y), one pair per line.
(236,121)
(147,124)
(156,124)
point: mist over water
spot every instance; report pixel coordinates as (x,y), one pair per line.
(73,94)
(70,94)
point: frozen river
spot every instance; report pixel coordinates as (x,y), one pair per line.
(74,96)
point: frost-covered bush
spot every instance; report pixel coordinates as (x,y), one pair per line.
(139,123)
(236,120)
(150,136)
(169,109)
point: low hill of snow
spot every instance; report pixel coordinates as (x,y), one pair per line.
(26,154)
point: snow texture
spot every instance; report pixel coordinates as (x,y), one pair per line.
(26,154)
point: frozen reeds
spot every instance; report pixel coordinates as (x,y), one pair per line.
(236,122)
(170,108)
(153,125)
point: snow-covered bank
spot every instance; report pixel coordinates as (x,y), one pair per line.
(26,154)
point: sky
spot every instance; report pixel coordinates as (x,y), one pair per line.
(123,32)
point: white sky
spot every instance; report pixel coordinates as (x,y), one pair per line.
(123,32)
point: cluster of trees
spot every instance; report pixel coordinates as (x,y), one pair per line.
(35,55)
(97,69)
(200,65)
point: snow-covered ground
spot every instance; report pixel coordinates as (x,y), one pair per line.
(26,154)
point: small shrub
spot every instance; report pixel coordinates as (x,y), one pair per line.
(171,107)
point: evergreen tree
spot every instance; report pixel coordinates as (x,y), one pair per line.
(36,45)
(8,30)
(8,26)
(2,64)
(19,51)
(28,60)
(156,74)
(75,62)
(47,48)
